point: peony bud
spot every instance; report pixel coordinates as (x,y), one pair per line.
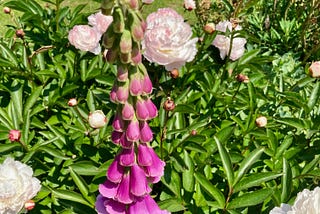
(127,111)
(189,4)
(20,33)
(29,205)
(314,69)
(174,73)
(193,132)
(97,119)
(242,78)
(125,42)
(72,102)
(169,105)
(7,10)
(14,135)
(209,28)
(261,121)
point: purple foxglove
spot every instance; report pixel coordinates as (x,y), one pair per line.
(123,195)
(142,112)
(122,93)
(133,130)
(125,143)
(144,156)
(138,181)
(157,168)
(122,74)
(113,94)
(108,189)
(127,157)
(147,84)
(108,206)
(146,205)
(116,136)
(135,85)
(118,123)
(115,171)
(127,111)
(152,109)
(100,204)
(145,132)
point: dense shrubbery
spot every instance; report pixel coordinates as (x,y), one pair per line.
(238,134)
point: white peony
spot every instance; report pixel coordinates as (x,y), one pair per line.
(97,119)
(223,42)
(17,186)
(167,39)
(307,202)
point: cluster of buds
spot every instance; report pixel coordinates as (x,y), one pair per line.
(136,166)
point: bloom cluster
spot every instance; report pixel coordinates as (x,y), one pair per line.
(167,40)
(224,42)
(87,37)
(136,166)
(17,186)
(307,202)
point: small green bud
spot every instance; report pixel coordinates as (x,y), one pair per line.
(125,42)
(118,20)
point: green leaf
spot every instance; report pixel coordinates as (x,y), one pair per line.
(224,134)
(226,161)
(71,196)
(294,122)
(90,101)
(314,96)
(250,199)
(285,144)
(286,181)
(54,152)
(255,179)
(187,175)
(85,168)
(245,165)
(311,165)
(183,108)
(8,54)
(172,205)
(210,189)
(32,99)
(8,147)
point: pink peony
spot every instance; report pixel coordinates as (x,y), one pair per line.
(189,4)
(314,69)
(100,22)
(167,39)
(222,42)
(14,135)
(85,38)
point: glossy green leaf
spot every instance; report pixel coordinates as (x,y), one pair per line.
(314,96)
(9,147)
(172,205)
(32,99)
(188,180)
(70,195)
(294,122)
(54,152)
(286,181)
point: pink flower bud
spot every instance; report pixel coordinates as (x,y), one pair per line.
(141,110)
(14,135)
(169,105)
(189,4)
(29,205)
(127,157)
(209,28)
(97,119)
(115,171)
(20,33)
(146,134)
(136,85)
(125,143)
(72,102)
(242,78)
(113,94)
(7,10)
(125,58)
(144,157)
(152,109)
(146,204)
(123,194)
(116,136)
(122,74)
(127,111)
(133,130)
(138,181)
(261,121)
(314,69)
(125,42)
(174,73)
(111,55)
(136,56)
(133,4)
(123,93)
(108,189)
(118,123)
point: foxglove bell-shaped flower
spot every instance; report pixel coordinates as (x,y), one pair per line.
(136,84)
(118,123)
(144,156)
(122,92)
(113,94)
(133,130)
(125,143)
(142,112)
(147,84)
(146,134)
(127,157)
(138,181)
(152,109)
(108,189)
(108,206)
(156,169)
(122,73)
(123,195)
(146,205)
(116,137)
(115,171)
(127,111)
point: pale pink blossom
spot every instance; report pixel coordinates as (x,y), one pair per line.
(189,4)
(147,1)
(100,22)
(167,39)
(223,42)
(85,38)
(314,69)
(14,135)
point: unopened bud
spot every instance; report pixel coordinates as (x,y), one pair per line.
(209,28)
(7,10)
(125,42)
(97,119)
(29,205)
(14,135)
(122,73)
(136,27)
(111,55)
(261,121)
(125,58)
(314,69)
(242,78)
(72,102)
(108,38)
(267,22)
(118,20)
(20,33)
(169,105)
(107,6)
(193,132)
(136,56)
(133,4)
(174,73)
